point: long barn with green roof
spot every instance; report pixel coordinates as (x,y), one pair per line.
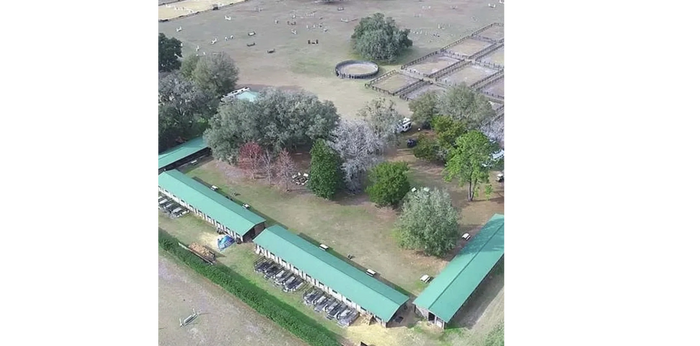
(446,294)
(182,153)
(228,216)
(331,274)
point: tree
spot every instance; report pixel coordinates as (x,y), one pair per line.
(325,177)
(465,105)
(470,162)
(183,110)
(276,120)
(379,38)
(216,73)
(424,107)
(249,157)
(448,130)
(285,168)
(427,148)
(169,51)
(428,222)
(188,65)
(388,183)
(383,118)
(359,149)
(267,163)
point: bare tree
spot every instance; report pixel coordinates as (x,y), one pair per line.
(359,148)
(285,168)
(249,157)
(267,162)
(383,119)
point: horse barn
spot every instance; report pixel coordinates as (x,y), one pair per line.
(331,274)
(237,221)
(448,292)
(185,152)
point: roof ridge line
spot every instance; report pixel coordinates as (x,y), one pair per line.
(461,270)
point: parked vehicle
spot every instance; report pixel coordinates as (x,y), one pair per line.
(262,266)
(321,304)
(311,296)
(295,285)
(272,270)
(280,274)
(349,319)
(336,310)
(331,306)
(285,279)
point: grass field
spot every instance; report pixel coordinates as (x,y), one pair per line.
(495,32)
(224,319)
(311,67)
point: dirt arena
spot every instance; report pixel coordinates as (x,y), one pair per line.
(494,32)
(298,65)
(469,46)
(495,57)
(395,82)
(433,64)
(224,320)
(496,87)
(357,69)
(470,74)
(423,90)
(173,9)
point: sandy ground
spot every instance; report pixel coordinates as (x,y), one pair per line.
(172,10)
(470,74)
(311,67)
(225,320)
(495,57)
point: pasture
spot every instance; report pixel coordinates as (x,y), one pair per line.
(224,319)
(296,64)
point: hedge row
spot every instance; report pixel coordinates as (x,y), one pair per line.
(267,305)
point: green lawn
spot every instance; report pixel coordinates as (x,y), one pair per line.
(352,225)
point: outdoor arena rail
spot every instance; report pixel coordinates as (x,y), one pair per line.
(340,65)
(476,33)
(487,80)
(449,69)
(414,87)
(421,59)
(486,51)
(381,78)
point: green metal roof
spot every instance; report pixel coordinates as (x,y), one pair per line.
(181,151)
(356,285)
(451,288)
(218,207)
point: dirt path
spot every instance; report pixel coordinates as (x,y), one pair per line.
(225,320)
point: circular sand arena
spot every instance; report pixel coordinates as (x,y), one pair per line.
(356,69)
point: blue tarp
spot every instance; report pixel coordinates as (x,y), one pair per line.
(225,242)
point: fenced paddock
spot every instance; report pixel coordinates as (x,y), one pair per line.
(468,47)
(432,64)
(494,32)
(356,69)
(495,88)
(495,57)
(393,83)
(185,8)
(470,74)
(422,90)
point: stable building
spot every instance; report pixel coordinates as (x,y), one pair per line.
(226,215)
(331,274)
(448,292)
(183,153)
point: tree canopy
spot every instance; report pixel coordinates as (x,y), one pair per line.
(359,149)
(470,162)
(466,105)
(325,177)
(276,120)
(388,183)
(169,52)
(183,110)
(189,63)
(379,38)
(215,73)
(424,107)
(428,222)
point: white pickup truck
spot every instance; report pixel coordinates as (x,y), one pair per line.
(404,125)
